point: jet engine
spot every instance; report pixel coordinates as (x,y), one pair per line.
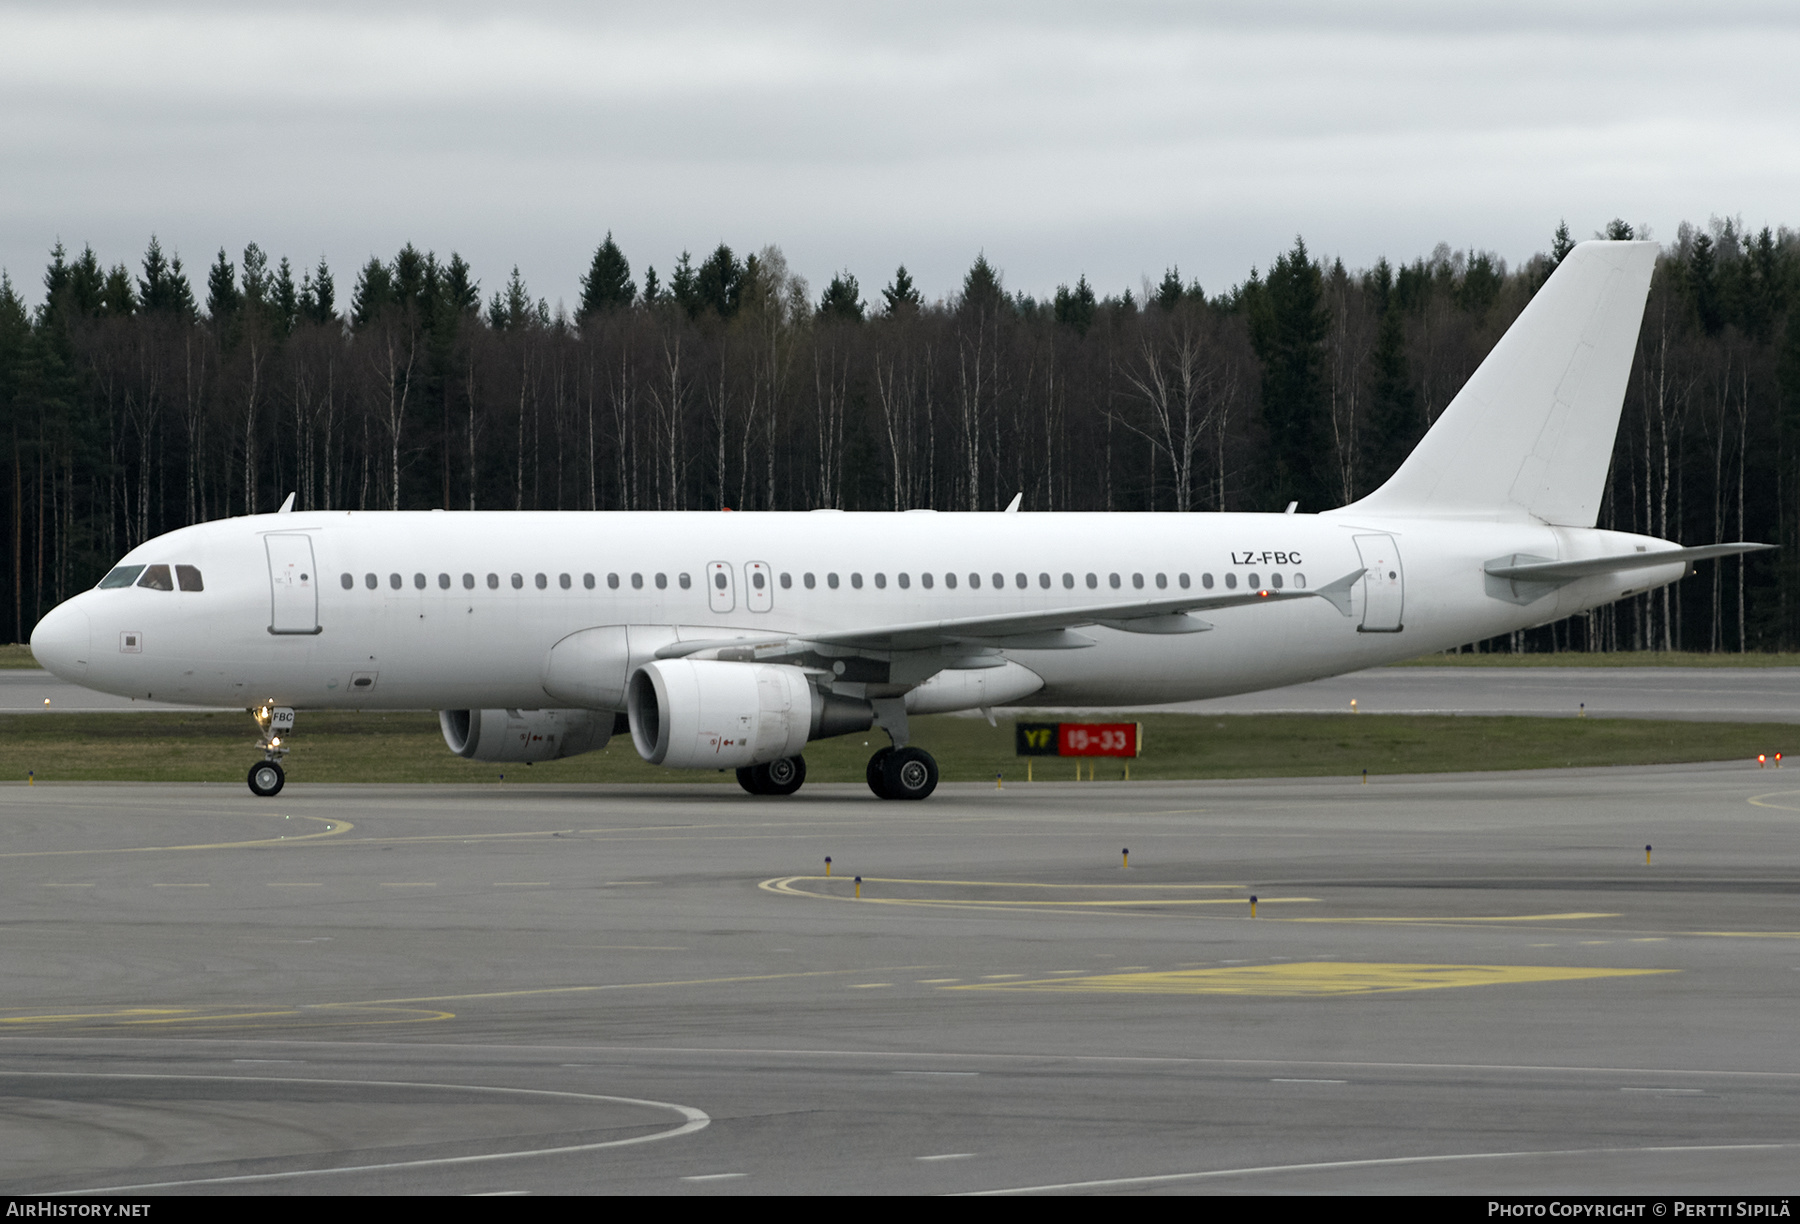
(706,714)
(524,735)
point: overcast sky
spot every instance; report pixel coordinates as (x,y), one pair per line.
(1060,138)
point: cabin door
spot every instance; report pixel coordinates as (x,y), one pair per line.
(1384,585)
(293,582)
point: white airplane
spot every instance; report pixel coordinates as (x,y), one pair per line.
(730,640)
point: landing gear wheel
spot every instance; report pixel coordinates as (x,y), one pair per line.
(877,778)
(783,777)
(752,779)
(267,779)
(910,773)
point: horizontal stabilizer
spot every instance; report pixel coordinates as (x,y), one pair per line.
(1559,572)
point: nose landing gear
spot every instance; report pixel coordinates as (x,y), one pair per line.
(273,724)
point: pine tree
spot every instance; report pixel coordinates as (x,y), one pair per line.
(1561,244)
(1393,423)
(1075,307)
(374,292)
(901,294)
(163,288)
(284,299)
(681,285)
(981,287)
(1288,325)
(117,296)
(842,299)
(718,284)
(222,297)
(607,285)
(318,296)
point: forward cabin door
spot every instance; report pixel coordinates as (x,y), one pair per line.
(293,582)
(1384,584)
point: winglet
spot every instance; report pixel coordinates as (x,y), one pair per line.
(1012,507)
(287,507)
(1338,593)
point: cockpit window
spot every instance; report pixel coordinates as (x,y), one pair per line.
(122,576)
(157,578)
(189,578)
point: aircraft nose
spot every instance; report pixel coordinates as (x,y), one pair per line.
(62,641)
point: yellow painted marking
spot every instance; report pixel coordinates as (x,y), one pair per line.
(192,1015)
(557,990)
(791,886)
(1747,934)
(1311,979)
(334,827)
(935,981)
(1576,917)
(1767,800)
(993,977)
(871,985)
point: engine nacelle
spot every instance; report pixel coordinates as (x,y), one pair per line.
(524,735)
(704,714)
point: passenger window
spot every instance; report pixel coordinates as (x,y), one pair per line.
(348,581)
(1162,582)
(1206,581)
(905,581)
(925,581)
(122,576)
(565,582)
(394,581)
(999,582)
(543,583)
(1183,580)
(757,580)
(419,581)
(856,581)
(1300,581)
(718,580)
(1093,581)
(662,581)
(612,582)
(1137,580)
(950,581)
(1275,581)
(1068,582)
(157,578)
(1044,581)
(518,581)
(831,581)
(974,582)
(468,582)
(369,580)
(686,582)
(1231,582)
(787,581)
(189,578)
(881,582)
(587,580)
(1113,581)
(493,582)
(444,582)
(1021,581)
(1255,582)
(807,581)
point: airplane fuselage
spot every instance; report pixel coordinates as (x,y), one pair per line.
(377,610)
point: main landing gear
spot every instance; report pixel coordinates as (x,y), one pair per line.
(902,773)
(267,777)
(781,777)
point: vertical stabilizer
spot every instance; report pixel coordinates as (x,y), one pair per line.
(1531,433)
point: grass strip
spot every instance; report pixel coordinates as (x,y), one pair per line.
(407,747)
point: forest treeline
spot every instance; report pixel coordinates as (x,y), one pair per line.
(134,401)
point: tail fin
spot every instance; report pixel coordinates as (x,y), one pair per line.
(1531,433)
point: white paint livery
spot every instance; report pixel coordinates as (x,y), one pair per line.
(751,632)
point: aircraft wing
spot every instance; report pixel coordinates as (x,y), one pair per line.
(1053,629)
